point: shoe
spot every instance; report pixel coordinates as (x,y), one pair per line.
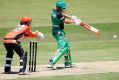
(50,62)
(10,72)
(54,67)
(67,65)
(22,73)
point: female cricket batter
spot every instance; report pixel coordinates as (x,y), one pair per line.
(11,43)
(58,18)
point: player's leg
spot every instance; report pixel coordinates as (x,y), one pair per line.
(70,59)
(23,56)
(9,56)
(58,54)
(67,55)
(62,45)
(23,63)
(67,59)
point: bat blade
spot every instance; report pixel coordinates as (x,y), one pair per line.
(89,27)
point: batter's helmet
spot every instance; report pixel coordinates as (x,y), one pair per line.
(61,4)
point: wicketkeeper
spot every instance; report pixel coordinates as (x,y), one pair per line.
(58,18)
(12,43)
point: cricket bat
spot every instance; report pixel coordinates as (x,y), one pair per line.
(89,27)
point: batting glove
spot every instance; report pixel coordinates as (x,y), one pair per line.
(73,18)
(77,22)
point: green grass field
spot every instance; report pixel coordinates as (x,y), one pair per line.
(85,45)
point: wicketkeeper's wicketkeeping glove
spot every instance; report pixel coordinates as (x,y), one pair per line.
(40,35)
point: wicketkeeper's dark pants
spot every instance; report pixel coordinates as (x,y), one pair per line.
(11,47)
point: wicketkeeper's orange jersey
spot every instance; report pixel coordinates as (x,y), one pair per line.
(19,32)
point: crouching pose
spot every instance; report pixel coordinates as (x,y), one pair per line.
(58,18)
(11,43)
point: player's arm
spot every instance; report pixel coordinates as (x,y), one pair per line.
(66,21)
(30,33)
(67,16)
(34,34)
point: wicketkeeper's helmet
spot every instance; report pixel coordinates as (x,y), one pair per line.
(26,20)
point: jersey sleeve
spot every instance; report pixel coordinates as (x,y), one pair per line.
(29,33)
(53,14)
